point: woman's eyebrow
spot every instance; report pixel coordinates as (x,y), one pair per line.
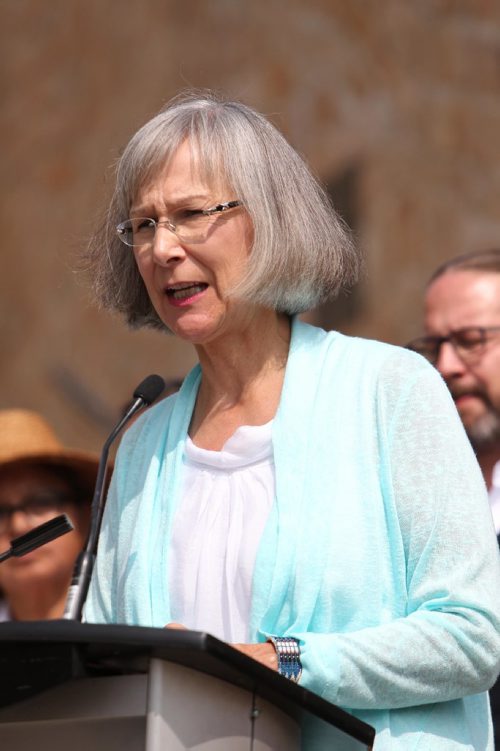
(173,202)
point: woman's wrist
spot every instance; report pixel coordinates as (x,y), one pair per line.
(288,654)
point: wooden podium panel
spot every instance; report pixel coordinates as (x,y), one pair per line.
(73,686)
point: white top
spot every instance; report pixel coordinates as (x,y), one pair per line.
(225,503)
(495,496)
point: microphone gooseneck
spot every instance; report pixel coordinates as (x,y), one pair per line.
(145,394)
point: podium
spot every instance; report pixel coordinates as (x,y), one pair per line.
(86,687)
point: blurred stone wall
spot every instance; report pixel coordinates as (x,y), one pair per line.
(402,95)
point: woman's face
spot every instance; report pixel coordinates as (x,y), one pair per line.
(33,495)
(187,282)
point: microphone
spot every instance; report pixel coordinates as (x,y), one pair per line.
(38,536)
(145,394)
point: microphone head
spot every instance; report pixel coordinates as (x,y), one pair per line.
(150,389)
(40,535)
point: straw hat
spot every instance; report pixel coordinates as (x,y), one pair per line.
(25,437)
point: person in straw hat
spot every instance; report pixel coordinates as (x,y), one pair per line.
(39,479)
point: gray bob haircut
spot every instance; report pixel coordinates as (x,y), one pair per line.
(301,254)
(480,260)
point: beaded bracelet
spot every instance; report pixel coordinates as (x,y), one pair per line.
(288,652)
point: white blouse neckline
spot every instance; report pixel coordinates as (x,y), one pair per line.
(248,445)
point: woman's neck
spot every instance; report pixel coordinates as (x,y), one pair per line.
(242,379)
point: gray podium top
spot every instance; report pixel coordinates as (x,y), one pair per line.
(36,656)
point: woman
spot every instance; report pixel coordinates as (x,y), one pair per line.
(39,479)
(302,484)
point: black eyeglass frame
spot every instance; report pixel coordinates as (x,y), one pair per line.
(37,505)
(220,208)
(430,346)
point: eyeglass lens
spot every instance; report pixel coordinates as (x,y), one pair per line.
(187,224)
(467,343)
(35,507)
(142,230)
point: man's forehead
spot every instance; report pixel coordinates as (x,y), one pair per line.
(459,299)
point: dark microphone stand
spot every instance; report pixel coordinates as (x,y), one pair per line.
(145,394)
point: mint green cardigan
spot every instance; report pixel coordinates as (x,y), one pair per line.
(379,553)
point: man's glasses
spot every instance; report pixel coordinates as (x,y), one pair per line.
(189,225)
(468,343)
(36,507)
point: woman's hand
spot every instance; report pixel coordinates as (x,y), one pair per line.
(264,653)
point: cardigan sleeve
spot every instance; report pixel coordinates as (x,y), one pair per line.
(447,644)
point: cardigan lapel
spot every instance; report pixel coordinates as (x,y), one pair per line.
(281,551)
(167,494)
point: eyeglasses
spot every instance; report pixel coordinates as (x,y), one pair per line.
(36,507)
(189,225)
(468,343)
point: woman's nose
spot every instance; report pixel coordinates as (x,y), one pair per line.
(19,523)
(167,247)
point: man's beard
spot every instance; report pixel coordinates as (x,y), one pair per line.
(484,433)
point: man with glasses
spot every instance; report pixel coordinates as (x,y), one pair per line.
(462,322)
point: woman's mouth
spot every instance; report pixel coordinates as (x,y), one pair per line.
(184,293)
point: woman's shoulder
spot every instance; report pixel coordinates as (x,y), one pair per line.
(150,422)
(142,441)
(378,370)
(150,430)
(348,349)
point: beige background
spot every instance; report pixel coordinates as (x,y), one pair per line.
(395,103)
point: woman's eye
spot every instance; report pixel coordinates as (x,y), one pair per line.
(188,214)
(143,224)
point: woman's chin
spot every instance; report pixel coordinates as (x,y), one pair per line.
(27,579)
(196,330)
